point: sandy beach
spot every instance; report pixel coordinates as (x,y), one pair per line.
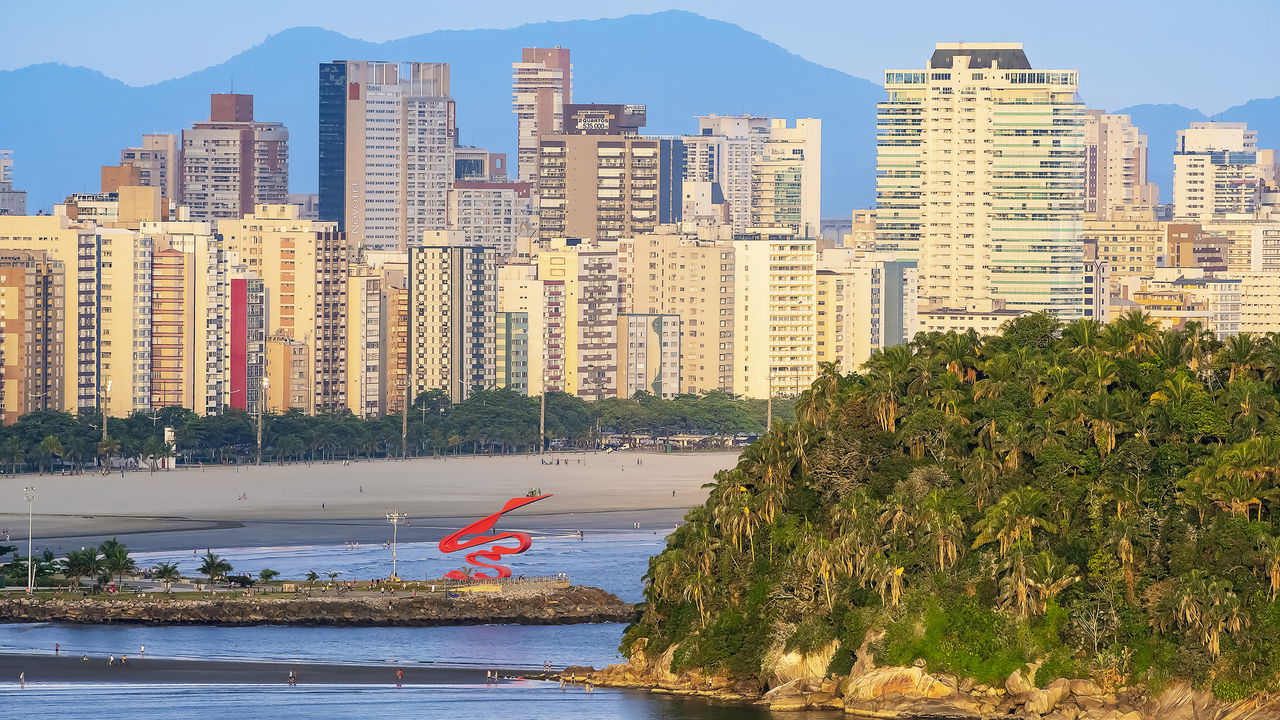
(71,668)
(328,502)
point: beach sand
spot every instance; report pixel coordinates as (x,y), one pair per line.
(67,668)
(331,502)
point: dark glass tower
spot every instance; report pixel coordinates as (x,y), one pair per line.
(333,142)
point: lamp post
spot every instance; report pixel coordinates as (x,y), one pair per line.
(404,419)
(29,493)
(104,410)
(262,411)
(396,519)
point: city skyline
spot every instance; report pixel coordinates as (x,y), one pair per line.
(1200,75)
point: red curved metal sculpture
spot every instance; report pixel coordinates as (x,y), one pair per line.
(454,542)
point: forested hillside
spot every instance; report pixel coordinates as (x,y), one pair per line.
(1099,498)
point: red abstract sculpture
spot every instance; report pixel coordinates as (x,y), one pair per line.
(454,542)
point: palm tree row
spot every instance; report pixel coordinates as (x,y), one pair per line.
(490,421)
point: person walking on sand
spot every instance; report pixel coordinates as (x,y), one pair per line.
(22,680)
(399,676)
(142,649)
(57,649)
(293,678)
(124,659)
(111,660)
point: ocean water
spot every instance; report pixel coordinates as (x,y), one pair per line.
(614,561)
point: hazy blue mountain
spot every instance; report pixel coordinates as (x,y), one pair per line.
(73,120)
(1161,123)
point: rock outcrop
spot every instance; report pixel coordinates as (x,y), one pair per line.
(562,606)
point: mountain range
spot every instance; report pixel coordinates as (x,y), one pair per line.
(679,64)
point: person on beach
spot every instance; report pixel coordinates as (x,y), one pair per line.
(142,649)
(22,680)
(124,659)
(399,676)
(293,678)
(111,660)
(57,648)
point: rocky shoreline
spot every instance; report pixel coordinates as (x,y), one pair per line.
(561,606)
(799,682)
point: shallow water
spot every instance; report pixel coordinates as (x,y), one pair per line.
(614,561)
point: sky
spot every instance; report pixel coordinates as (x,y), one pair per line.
(1207,54)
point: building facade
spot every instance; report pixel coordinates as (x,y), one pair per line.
(453,298)
(980,177)
(32,333)
(541,85)
(388,132)
(232,163)
(1115,167)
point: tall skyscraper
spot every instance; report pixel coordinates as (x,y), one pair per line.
(537,307)
(1219,173)
(769,172)
(366,346)
(453,298)
(980,177)
(388,133)
(232,163)
(775,307)
(541,85)
(1115,166)
(12,202)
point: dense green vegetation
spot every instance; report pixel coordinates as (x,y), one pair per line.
(488,421)
(1102,498)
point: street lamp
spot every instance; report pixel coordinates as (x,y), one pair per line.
(262,411)
(104,411)
(396,518)
(29,493)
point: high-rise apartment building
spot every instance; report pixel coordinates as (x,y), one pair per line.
(1115,166)
(688,273)
(303,265)
(490,213)
(453,298)
(366,327)
(775,307)
(233,163)
(538,306)
(606,186)
(190,318)
(589,271)
(1131,243)
(769,173)
(158,161)
(388,134)
(32,333)
(1218,172)
(980,177)
(541,85)
(865,303)
(247,340)
(12,202)
(124,308)
(77,248)
(648,355)
(1175,296)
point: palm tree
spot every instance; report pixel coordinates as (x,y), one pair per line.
(1013,519)
(1123,535)
(213,566)
(167,573)
(944,525)
(13,453)
(116,560)
(1269,559)
(312,577)
(1241,354)
(47,449)
(81,564)
(266,575)
(1049,575)
(696,588)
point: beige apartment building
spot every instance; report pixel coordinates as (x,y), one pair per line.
(303,265)
(232,163)
(1115,167)
(158,164)
(537,307)
(541,85)
(288,375)
(366,341)
(775,307)
(589,271)
(648,355)
(687,272)
(124,340)
(1175,296)
(1131,243)
(33,315)
(603,186)
(492,214)
(1219,173)
(1260,302)
(866,302)
(453,298)
(76,248)
(955,139)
